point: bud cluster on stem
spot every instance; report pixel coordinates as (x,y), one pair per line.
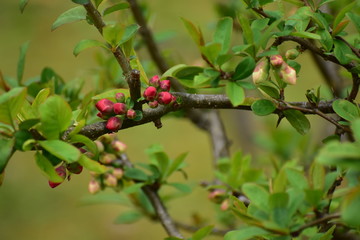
(158,92)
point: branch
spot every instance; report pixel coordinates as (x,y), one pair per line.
(355,87)
(135,88)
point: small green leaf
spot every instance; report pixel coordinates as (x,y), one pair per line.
(263,107)
(270,91)
(298,120)
(306,35)
(21,62)
(346,109)
(194,32)
(61,150)
(355,19)
(247,31)
(202,232)
(91,165)
(313,196)
(296,178)
(355,126)
(257,195)
(211,51)
(129,32)
(342,13)
(72,15)
(128,217)
(341,49)
(244,69)
(176,164)
(181,187)
(278,203)
(85,44)
(55,116)
(235,93)
(116,7)
(47,168)
(317,176)
(98,2)
(11,103)
(245,233)
(6,150)
(223,33)
(351,208)
(22,5)
(135,173)
(40,98)
(91,146)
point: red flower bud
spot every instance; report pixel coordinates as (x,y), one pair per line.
(276,60)
(154,81)
(150,93)
(120,97)
(164,98)
(153,104)
(94,186)
(165,85)
(75,168)
(105,106)
(113,123)
(61,171)
(119,108)
(173,99)
(131,114)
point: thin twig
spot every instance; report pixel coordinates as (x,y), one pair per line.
(355,87)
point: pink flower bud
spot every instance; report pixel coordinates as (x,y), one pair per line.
(61,171)
(276,60)
(75,168)
(120,97)
(217,195)
(164,98)
(150,93)
(154,81)
(118,173)
(110,180)
(224,205)
(107,158)
(105,106)
(94,186)
(119,108)
(165,85)
(131,114)
(118,146)
(153,104)
(99,145)
(173,99)
(261,72)
(113,123)
(292,54)
(288,74)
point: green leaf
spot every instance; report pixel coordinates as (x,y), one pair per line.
(91,165)
(116,7)
(263,107)
(317,176)
(341,50)
(342,13)
(72,15)
(85,44)
(6,151)
(135,173)
(211,51)
(296,178)
(129,32)
(61,150)
(298,120)
(326,39)
(262,42)
(134,188)
(11,103)
(313,196)
(306,35)
(77,138)
(47,168)
(355,126)
(21,62)
(113,33)
(98,2)
(257,195)
(245,233)
(270,91)
(235,93)
(202,232)
(244,69)
(346,109)
(176,164)
(340,154)
(355,19)
(247,31)
(40,97)
(351,208)
(278,203)
(22,5)
(181,187)
(21,137)
(128,217)
(223,33)
(194,32)
(55,117)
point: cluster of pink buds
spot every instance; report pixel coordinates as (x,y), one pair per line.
(114,113)
(110,151)
(158,92)
(65,171)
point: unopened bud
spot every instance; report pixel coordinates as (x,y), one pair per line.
(288,74)
(99,145)
(150,93)
(94,186)
(292,54)
(75,168)
(118,173)
(107,158)
(61,171)
(165,85)
(110,180)
(217,195)
(153,104)
(276,60)
(131,114)
(105,106)
(164,98)
(224,205)
(119,108)
(118,146)
(120,97)
(155,81)
(113,123)
(261,72)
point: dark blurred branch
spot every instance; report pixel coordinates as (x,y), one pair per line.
(355,87)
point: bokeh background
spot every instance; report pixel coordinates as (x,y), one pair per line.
(30,209)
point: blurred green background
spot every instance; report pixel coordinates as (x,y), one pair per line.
(30,209)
